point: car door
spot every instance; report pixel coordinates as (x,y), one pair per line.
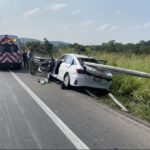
(58,62)
(64,67)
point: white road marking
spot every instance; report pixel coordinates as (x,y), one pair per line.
(24,117)
(76,141)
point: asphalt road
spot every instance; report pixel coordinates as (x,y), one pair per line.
(34,116)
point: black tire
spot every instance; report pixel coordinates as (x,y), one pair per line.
(66,83)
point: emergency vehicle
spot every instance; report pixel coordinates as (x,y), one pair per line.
(10,52)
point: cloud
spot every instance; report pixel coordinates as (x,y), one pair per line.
(56,7)
(68,27)
(4,21)
(77,11)
(31,12)
(113,28)
(86,23)
(108,27)
(117,12)
(104,27)
(144,26)
(137,27)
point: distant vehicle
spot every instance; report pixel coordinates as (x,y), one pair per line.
(10,53)
(71,71)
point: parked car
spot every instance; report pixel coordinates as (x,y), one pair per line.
(71,71)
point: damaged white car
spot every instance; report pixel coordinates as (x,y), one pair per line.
(71,70)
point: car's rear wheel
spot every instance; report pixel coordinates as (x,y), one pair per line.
(66,83)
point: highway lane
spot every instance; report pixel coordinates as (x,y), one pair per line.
(23,124)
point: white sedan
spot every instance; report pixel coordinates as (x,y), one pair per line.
(71,71)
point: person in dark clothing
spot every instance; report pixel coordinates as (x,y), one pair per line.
(25,59)
(51,64)
(50,68)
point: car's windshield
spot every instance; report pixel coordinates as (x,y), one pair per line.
(91,60)
(8,48)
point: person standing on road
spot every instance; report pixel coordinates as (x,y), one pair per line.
(31,61)
(25,59)
(50,68)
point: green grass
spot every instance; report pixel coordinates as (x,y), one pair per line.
(133,92)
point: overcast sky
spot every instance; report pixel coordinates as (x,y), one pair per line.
(82,21)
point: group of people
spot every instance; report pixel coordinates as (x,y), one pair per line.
(28,60)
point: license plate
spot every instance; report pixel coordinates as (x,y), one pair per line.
(97,79)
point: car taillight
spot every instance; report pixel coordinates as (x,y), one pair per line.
(80,71)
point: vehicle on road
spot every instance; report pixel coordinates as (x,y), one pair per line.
(71,70)
(10,52)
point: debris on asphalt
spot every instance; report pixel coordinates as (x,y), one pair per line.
(43,81)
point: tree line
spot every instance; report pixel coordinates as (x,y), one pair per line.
(44,47)
(142,47)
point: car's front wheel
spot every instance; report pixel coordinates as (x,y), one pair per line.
(66,83)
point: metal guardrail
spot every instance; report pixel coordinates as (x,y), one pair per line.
(112,69)
(118,70)
(40,59)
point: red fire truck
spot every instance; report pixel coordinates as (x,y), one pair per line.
(10,52)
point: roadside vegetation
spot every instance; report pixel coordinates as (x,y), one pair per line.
(133,92)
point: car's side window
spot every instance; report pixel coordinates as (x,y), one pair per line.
(69,60)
